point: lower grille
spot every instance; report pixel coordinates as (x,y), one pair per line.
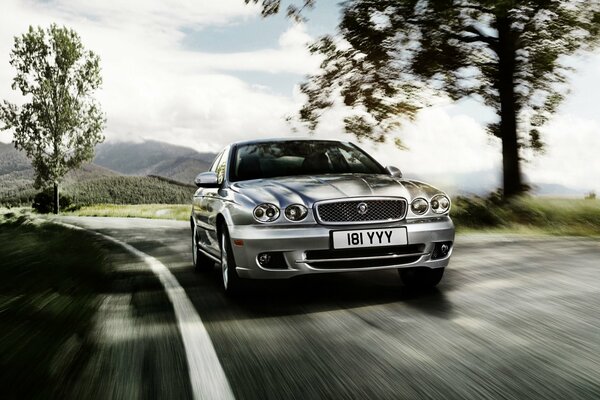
(364,258)
(368,210)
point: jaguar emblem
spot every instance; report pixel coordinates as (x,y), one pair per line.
(362,208)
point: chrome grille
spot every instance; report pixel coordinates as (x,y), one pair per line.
(348,211)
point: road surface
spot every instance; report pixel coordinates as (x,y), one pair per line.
(512,319)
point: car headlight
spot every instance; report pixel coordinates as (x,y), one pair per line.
(419,206)
(440,204)
(266,212)
(296,212)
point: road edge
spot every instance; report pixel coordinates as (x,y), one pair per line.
(207,377)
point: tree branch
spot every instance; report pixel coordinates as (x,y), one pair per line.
(478,36)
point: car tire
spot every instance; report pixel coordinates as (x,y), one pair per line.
(201,262)
(421,278)
(232,284)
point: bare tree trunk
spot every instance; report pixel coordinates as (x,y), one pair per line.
(511,167)
(56,198)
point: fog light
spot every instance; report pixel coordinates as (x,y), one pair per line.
(271,260)
(264,259)
(444,249)
(441,250)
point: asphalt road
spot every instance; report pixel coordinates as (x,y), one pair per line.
(512,319)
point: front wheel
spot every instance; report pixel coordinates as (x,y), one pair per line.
(231,280)
(421,278)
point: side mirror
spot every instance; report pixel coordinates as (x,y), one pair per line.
(206,180)
(394,171)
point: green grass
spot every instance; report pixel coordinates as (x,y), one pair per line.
(529,215)
(129,190)
(50,281)
(106,190)
(156,211)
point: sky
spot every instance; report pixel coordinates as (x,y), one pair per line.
(204,73)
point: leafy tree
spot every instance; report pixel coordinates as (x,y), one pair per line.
(508,54)
(60,123)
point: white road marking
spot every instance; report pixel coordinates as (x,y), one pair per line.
(206,373)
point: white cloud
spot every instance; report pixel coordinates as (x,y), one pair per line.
(155,16)
(295,37)
(291,57)
(571,157)
(153,86)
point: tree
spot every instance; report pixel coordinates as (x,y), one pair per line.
(60,123)
(509,54)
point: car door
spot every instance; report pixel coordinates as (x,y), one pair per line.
(201,209)
(214,199)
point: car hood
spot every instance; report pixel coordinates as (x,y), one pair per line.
(310,189)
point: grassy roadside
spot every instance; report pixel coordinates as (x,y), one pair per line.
(528,215)
(50,281)
(156,211)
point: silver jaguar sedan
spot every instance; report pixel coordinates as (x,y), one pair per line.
(285,207)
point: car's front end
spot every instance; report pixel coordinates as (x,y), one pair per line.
(355,233)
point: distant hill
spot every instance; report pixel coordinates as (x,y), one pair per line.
(12,161)
(15,165)
(16,175)
(151,161)
(129,190)
(153,158)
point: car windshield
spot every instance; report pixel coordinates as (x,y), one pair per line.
(291,158)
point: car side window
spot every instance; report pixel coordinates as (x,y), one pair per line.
(222,166)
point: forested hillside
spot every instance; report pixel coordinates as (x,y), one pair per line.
(153,158)
(167,173)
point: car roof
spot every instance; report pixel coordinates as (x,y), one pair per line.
(287,139)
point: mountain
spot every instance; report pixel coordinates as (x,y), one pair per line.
(140,159)
(113,159)
(17,176)
(14,164)
(11,160)
(153,158)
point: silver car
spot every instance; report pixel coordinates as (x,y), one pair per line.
(270,209)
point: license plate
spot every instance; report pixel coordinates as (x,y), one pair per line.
(369,238)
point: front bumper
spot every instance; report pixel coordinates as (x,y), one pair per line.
(295,241)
